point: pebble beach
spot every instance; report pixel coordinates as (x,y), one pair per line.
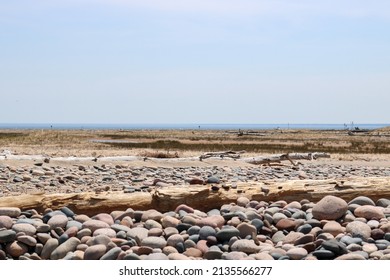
(300,230)
(332,228)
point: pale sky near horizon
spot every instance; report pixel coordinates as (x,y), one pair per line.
(188,61)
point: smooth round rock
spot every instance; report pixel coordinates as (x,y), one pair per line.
(242,201)
(58,221)
(16,249)
(50,245)
(286,224)
(174,239)
(369,212)
(212,221)
(292,237)
(104,217)
(234,255)
(330,208)
(11,212)
(369,248)
(6,222)
(246,229)
(154,242)
(362,200)
(297,253)
(95,224)
(206,231)
(177,257)
(169,221)
(95,252)
(351,256)
(226,233)
(131,256)
(68,246)
(156,256)
(105,231)
(149,224)
(333,228)
(7,235)
(359,229)
(28,240)
(383,202)
(246,246)
(323,254)
(151,214)
(26,228)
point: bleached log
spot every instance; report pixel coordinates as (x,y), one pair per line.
(202,197)
(284,157)
(228,154)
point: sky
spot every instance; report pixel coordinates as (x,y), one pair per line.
(194,61)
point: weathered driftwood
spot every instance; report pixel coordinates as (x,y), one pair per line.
(228,154)
(283,157)
(203,197)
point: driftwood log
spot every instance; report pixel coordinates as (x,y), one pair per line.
(283,157)
(203,197)
(228,154)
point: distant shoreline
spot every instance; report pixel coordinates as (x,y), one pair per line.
(61,126)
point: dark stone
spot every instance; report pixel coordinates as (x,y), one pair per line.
(226,233)
(180,247)
(193,230)
(132,256)
(112,254)
(314,223)
(335,246)
(377,233)
(305,229)
(63,238)
(323,254)
(362,200)
(206,231)
(194,238)
(213,180)
(3,256)
(351,240)
(258,224)
(67,211)
(183,226)
(7,236)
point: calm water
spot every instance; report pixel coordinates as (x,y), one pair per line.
(188,126)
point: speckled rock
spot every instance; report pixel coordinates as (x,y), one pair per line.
(330,208)
(58,221)
(246,246)
(359,229)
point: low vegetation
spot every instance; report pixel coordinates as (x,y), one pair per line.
(168,143)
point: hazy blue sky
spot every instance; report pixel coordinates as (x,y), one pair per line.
(194,61)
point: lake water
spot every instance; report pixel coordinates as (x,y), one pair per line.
(187,126)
